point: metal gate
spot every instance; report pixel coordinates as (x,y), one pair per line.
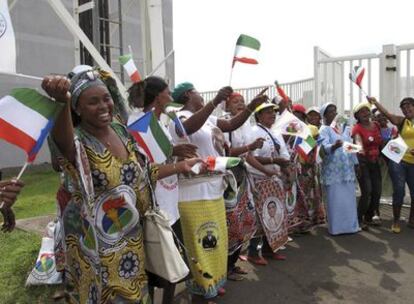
(388,77)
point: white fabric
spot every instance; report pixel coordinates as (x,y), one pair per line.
(268,149)
(7,40)
(166,192)
(240,136)
(204,139)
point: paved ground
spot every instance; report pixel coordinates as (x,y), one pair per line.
(372,267)
(369,267)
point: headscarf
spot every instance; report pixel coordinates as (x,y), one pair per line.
(297,107)
(313,109)
(82,81)
(180,89)
(324,107)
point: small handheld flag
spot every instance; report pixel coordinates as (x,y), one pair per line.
(289,124)
(179,127)
(128,63)
(246,50)
(395,149)
(356,75)
(26,118)
(151,138)
(281,92)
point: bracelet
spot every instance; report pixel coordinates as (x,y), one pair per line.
(175,167)
(248,110)
(214,106)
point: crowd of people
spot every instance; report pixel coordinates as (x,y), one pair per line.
(107,182)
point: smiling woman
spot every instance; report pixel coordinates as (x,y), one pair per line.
(109,191)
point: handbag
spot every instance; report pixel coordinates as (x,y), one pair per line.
(162,256)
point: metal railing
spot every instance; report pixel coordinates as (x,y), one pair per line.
(299,91)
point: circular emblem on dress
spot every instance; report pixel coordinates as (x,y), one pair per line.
(291,198)
(273,213)
(3,25)
(370,138)
(116,214)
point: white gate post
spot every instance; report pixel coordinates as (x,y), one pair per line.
(389,77)
(316,96)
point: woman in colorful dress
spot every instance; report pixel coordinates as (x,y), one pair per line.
(309,205)
(270,196)
(103,237)
(241,216)
(366,133)
(403,172)
(201,204)
(153,94)
(338,176)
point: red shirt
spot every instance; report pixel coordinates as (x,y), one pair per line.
(371,140)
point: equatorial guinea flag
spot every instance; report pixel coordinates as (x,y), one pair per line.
(128,63)
(221,163)
(151,138)
(357,74)
(26,118)
(246,50)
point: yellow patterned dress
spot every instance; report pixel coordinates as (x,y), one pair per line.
(103,237)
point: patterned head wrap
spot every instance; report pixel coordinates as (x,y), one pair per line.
(82,81)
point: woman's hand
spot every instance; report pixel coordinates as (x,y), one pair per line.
(257,101)
(372,100)
(222,95)
(185,166)
(57,87)
(9,219)
(257,144)
(282,162)
(337,145)
(9,190)
(185,150)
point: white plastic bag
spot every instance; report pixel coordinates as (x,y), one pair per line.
(44,271)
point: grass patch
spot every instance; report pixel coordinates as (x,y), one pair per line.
(18,252)
(38,195)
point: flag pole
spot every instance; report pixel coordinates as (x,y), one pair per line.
(22,170)
(231,75)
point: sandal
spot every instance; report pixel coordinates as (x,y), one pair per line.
(257,260)
(239,270)
(233,276)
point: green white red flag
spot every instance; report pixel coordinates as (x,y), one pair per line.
(26,118)
(247,49)
(221,164)
(128,63)
(357,74)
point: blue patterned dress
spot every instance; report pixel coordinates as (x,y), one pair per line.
(338,179)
